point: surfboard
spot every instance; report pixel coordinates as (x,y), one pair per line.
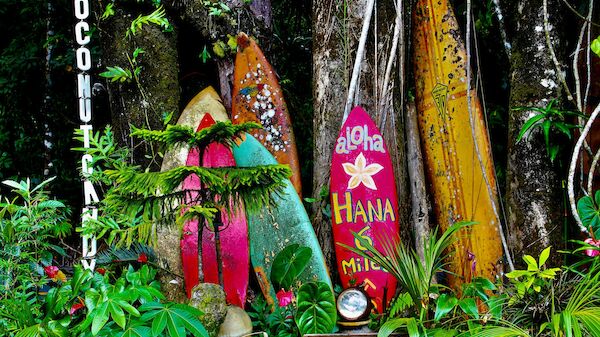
(233,236)
(207,102)
(456,178)
(364,201)
(275,228)
(257,97)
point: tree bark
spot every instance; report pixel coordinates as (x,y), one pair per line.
(336,30)
(140,103)
(533,182)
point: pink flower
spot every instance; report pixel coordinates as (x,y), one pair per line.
(143,258)
(51,271)
(285,297)
(592,252)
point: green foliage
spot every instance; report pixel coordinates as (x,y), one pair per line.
(108,11)
(404,263)
(91,304)
(317,312)
(137,201)
(547,119)
(288,265)
(595,46)
(224,133)
(117,74)
(130,254)
(216,7)
(157,17)
(204,55)
(534,278)
(104,151)
(279,322)
(30,225)
(589,212)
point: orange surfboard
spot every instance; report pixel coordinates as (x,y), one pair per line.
(455,177)
(257,97)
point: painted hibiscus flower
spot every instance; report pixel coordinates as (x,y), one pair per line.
(285,297)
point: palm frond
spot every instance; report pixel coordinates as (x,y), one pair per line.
(221,132)
(404,263)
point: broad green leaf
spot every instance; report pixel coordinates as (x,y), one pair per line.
(589,211)
(469,306)
(117,74)
(517,273)
(136,331)
(531,263)
(100,318)
(316,313)
(289,264)
(117,314)
(445,304)
(544,256)
(595,46)
(495,306)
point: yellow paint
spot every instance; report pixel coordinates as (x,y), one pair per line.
(455,175)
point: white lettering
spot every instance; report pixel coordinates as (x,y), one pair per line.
(82,9)
(87,132)
(89,193)
(84,59)
(85,167)
(81,28)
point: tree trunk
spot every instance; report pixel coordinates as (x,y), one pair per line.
(336,30)
(142,102)
(533,182)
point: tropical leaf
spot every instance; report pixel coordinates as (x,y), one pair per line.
(316,309)
(396,323)
(289,264)
(589,211)
(444,304)
(174,318)
(117,74)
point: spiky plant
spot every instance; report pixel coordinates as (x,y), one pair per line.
(137,200)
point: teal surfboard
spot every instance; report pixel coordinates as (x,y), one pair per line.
(273,229)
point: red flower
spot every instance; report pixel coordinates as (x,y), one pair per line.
(143,258)
(51,271)
(101,271)
(285,297)
(592,252)
(75,307)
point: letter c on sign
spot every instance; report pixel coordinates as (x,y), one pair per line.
(81,28)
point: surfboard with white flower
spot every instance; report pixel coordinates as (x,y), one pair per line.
(364,201)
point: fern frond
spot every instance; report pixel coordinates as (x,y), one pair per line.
(125,254)
(157,17)
(221,132)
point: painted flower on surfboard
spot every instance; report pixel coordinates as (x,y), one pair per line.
(361,173)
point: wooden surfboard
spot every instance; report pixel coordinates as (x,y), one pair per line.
(364,201)
(275,228)
(456,177)
(233,237)
(257,97)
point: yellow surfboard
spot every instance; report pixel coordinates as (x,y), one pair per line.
(457,180)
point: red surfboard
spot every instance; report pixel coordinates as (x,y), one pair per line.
(234,236)
(364,201)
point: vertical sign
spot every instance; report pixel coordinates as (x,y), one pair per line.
(84,98)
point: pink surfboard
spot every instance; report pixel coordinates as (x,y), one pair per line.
(364,201)
(234,236)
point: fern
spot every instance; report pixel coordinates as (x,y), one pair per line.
(129,254)
(221,132)
(157,17)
